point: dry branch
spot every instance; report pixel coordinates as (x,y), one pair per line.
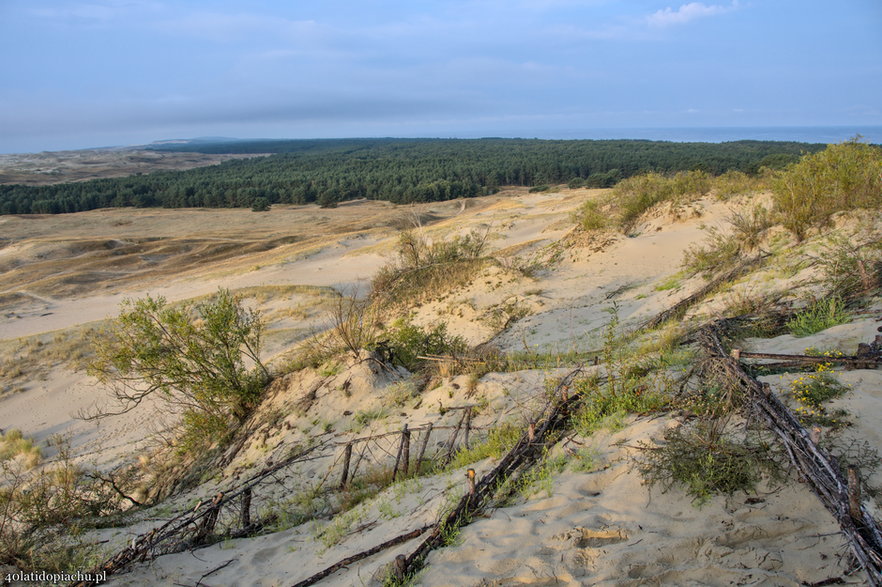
(174,532)
(361,555)
(678,309)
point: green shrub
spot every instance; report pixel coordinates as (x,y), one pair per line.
(590,217)
(203,359)
(260,205)
(406,341)
(733,183)
(821,315)
(704,462)
(540,188)
(842,177)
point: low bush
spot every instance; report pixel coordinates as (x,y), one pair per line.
(44,510)
(819,316)
(705,462)
(406,342)
(423,269)
(843,177)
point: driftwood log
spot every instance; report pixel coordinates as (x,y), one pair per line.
(818,467)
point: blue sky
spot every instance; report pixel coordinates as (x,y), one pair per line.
(115,72)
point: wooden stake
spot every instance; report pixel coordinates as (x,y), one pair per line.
(470,474)
(424,443)
(452,443)
(531,432)
(736,354)
(400,451)
(815,434)
(206,529)
(245,519)
(854,495)
(405,450)
(347,457)
(399,567)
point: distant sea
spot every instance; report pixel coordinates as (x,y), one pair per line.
(801,134)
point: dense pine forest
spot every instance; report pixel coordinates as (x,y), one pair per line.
(400,170)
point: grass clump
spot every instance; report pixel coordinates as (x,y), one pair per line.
(851,268)
(637,194)
(13,445)
(590,216)
(819,316)
(424,269)
(842,177)
(724,247)
(499,441)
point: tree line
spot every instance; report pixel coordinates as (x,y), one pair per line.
(399,170)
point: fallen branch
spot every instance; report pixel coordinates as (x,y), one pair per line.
(362,555)
(147,546)
(844,360)
(678,309)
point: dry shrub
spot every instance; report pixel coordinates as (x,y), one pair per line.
(425,269)
(724,248)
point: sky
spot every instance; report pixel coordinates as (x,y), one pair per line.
(122,72)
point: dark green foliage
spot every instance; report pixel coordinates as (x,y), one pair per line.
(399,170)
(260,204)
(407,341)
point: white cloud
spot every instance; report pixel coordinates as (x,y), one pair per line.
(686,13)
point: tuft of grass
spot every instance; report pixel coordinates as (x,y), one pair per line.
(425,269)
(499,441)
(14,446)
(590,216)
(819,316)
(671,282)
(637,194)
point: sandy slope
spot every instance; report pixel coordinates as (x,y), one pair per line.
(596,527)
